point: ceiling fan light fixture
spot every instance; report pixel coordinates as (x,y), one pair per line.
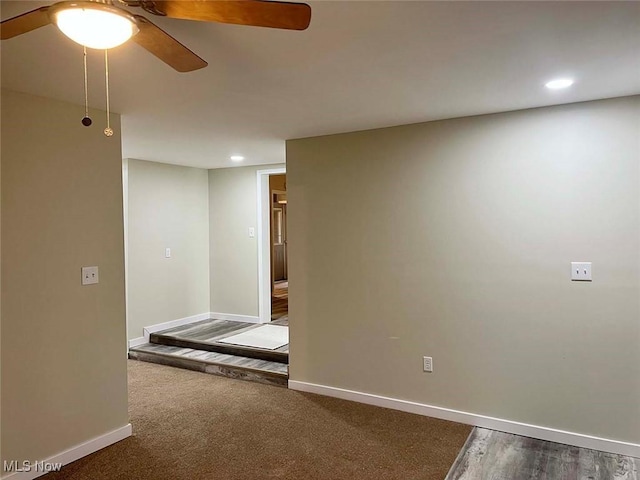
(94,25)
(559,83)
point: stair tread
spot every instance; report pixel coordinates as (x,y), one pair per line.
(214,358)
(209,333)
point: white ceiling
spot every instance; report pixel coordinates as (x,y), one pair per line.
(360,65)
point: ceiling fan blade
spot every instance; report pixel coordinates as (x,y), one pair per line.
(24,23)
(290,16)
(165,47)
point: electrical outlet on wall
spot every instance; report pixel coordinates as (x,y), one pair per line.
(427,364)
(90,275)
(581,271)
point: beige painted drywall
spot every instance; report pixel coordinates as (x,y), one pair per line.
(233,255)
(64,378)
(454,239)
(168,207)
(1,456)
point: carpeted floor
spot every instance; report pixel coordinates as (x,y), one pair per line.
(188,425)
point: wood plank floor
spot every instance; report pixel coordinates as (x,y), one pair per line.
(197,346)
(280,303)
(209,332)
(492,455)
(233,366)
(214,357)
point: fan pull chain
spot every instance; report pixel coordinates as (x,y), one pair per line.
(86,120)
(107,131)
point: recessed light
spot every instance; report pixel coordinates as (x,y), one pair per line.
(559,83)
(237,158)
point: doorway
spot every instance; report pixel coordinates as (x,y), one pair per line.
(265,239)
(278,244)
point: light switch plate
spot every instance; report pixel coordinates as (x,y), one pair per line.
(167,252)
(252,232)
(581,271)
(89,275)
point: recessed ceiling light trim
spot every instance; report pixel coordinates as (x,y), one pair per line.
(559,83)
(94,25)
(237,158)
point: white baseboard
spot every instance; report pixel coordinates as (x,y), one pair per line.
(135,342)
(75,453)
(173,323)
(509,426)
(234,317)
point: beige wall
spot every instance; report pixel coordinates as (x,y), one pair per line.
(64,378)
(453,239)
(233,255)
(167,207)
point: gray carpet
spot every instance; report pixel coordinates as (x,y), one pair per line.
(189,425)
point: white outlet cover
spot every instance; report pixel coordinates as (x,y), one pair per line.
(581,271)
(90,275)
(427,364)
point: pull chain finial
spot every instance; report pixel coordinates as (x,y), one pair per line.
(86,120)
(107,131)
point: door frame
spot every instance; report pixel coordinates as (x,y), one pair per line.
(264,245)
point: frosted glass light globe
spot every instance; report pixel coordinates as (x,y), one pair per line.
(95,25)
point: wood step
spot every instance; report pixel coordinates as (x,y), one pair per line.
(204,335)
(244,368)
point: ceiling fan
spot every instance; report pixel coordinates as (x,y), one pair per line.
(105,24)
